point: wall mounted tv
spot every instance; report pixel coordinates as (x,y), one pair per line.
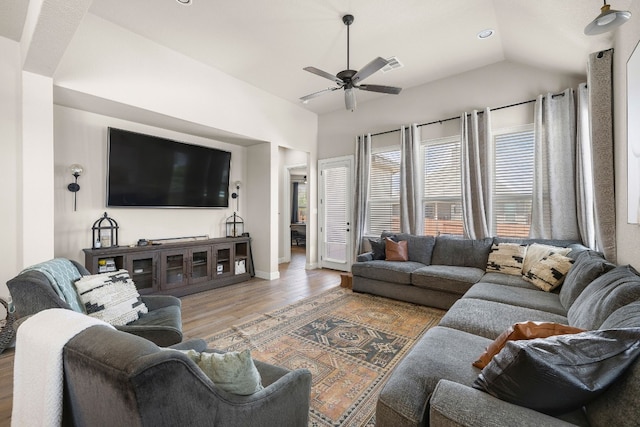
(148,171)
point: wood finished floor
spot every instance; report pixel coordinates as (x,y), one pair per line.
(208,312)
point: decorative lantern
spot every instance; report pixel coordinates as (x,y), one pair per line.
(235,226)
(105,232)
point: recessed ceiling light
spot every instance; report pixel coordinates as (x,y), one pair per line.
(184,2)
(485,34)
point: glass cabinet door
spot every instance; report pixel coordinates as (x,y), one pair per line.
(142,269)
(200,264)
(174,269)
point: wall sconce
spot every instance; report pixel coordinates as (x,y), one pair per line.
(236,194)
(76,170)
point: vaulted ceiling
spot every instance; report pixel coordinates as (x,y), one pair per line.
(267,43)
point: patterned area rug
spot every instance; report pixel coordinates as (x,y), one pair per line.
(350,342)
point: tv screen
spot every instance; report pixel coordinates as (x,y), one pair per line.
(148,171)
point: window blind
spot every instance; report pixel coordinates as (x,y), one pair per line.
(384,191)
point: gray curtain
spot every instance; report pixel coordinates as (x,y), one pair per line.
(600,83)
(363,167)
(294,204)
(553,214)
(475,135)
(584,169)
(410,188)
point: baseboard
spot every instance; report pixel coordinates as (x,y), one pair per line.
(311,266)
(268,276)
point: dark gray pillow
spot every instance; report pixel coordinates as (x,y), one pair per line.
(589,266)
(562,373)
(603,296)
(461,252)
(378,250)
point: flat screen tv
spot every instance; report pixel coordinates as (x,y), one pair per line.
(148,171)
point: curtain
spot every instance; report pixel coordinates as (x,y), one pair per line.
(363,167)
(553,212)
(475,135)
(294,204)
(410,188)
(584,172)
(600,84)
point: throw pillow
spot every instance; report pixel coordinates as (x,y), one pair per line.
(549,272)
(111,297)
(562,373)
(523,331)
(506,258)
(396,251)
(589,266)
(537,251)
(377,248)
(234,372)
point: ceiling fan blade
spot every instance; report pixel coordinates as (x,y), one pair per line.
(382,89)
(316,94)
(319,72)
(369,69)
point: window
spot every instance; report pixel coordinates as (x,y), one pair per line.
(442,196)
(384,191)
(512,183)
(302,201)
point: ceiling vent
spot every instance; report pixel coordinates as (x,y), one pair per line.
(394,63)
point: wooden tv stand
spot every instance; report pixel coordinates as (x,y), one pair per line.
(178,268)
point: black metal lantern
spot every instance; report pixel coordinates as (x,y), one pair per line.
(235,226)
(105,232)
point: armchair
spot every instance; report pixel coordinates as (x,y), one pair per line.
(112,378)
(32,292)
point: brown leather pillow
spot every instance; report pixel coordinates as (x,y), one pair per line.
(396,251)
(523,331)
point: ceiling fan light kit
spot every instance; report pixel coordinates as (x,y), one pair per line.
(348,79)
(608,20)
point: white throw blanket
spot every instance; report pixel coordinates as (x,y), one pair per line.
(38,369)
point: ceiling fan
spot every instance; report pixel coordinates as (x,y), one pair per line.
(349,79)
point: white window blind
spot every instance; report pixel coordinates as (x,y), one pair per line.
(384,191)
(336,193)
(513,183)
(442,192)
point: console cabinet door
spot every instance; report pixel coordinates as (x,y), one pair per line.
(143,269)
(174,268)
(200,264)
(224,258)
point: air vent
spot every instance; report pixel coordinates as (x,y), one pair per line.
(394,63)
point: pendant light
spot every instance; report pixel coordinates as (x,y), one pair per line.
(607,20)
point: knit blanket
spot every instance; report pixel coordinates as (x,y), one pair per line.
(61,274)
(38,368)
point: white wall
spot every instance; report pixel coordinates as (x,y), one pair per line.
(495,85)
(287,159)
(10,130)
(81,137)
(628,235)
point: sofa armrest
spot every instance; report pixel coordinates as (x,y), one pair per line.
(154,302)
(195,344)
(31,293)
(367,256)
(454,404)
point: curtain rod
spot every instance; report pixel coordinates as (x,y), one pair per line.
(457,117)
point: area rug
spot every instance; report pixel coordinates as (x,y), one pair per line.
(350,342)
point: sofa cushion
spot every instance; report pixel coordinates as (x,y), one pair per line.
(111,297)
(420,247)
(523,331)
(440,353)
(522,297)
(446,278)
(506,258)
(396,251)
(589,265)
(387,271)
(549,272)
(507,280)
(603,296)
(627,316)
(461,252)
(536,252)
(489,319)
(562,373)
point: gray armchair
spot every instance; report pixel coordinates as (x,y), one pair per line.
(32,292)
(112,378)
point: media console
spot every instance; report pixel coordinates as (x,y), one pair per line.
(178,268)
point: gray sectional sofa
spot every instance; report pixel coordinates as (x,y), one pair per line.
(434,383)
